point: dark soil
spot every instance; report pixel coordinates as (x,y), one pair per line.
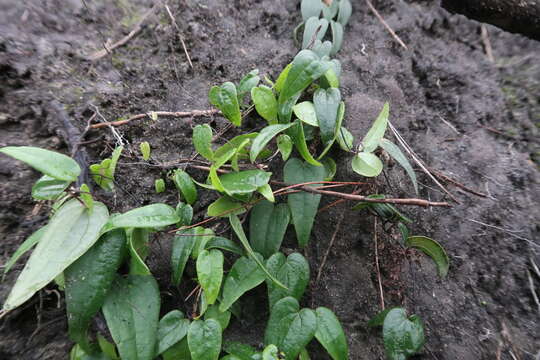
(473,119)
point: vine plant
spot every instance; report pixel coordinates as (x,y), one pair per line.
(83,248)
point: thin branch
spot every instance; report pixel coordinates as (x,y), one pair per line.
(334,235)
(456,183)
(376,241)
(178,114)
(392,32)
(179,34)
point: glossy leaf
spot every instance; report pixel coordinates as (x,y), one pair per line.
(305,111)
(264,137)
(222,243)
(202,237)
(310,8)
(244,276)
(266,191)
(247,83)
(224,206)
(267,226)
(403,337)
(29,243)
(345,11)
(179,351)
(326,104)
(240,351)
(48,188)
(303,205)
(296,133)
(394,151)
(376,132)
(244,182)
(70,233)
(367,164)
(285,145)
(56,165)
(234,144)
(433,249)
(280,82)
(378,320)
(185,185)
(138,249)
(330,167)
(202,141)
(145,150)
(330,334)
(239,231)
(270,352)
(182,247)
(173,327)
(131,310)
(314,28)
(265,103)
(210,273)
(87,282)
(337,36)
(204,339)
(292,271)
(149,216)
(345,139)
(185,213)
(225,98)
(290,328)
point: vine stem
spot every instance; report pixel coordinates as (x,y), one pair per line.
(178,114)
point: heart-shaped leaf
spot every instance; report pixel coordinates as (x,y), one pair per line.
(267,226)
(345,11)
(292,271)
(314,29)
(403,337)
(264,137)
(202,140)
(376,132)
(303,205)
(326,103)
(265,103)
(310,8)
(322,49)
(244,276)
(225,98)
(367,164)
(330,334)
(330,9)
(173,327)
(433,249)
(131,310)
(48,162)
(290,328)
(223,318)
(204,339)
(305,111)
(210,273)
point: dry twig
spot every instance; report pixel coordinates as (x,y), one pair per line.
(392,32)
(376,241)
(178,114)
(179,34)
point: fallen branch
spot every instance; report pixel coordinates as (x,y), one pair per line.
(177,114)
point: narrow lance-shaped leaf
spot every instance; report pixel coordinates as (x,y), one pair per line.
(433,249)
(330,334)
(264,137)
(267,226)
(48,162)
(225,98)
(138,250)
(70,233)
(244,276)
(29,243)
(131,310)
(394,151)
(303,205)
(48,188)
(204,339)
(185,185)
(376,132)
(337,36)
(183,244)
(210,273)
(149,216)
(297,135)
(87,282)
(202,141)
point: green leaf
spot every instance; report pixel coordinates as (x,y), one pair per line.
(330,168)
(24,247)
(179,351)
(202,141)
(367,164)
(185,213)
(202,237)
(304,355)
(394,151)
(224,206)
(310,30)
(103,173)
(345,11)
(182,247)
(222,243)
(239,231)
(204,339)
(149,216)
(185,185)
(331,77)
(138,249)
(265,103)
(223,318)
(245,274)
(225,98)
(107,347)
(326,104)
(290,328)
(310,8)
(270,352)
(266,191)
(86,197)
(145,150)
(285,145)
(376,132)
(297,135)
(70,233)
(159,184)
(239,350)
(322,49)
(244,182)
(303,205)
(87,282)
(330,334)
(234,144)
(173,327)
(386,211)
(403,337)
(131,310)
(378,320)
(329,12)
(305,111)
(267,226)
(433,249)
(48,162)
(247,83)
(337,36)
(345,139)
(48,188)
(280,82)
(292,271)
(264,137)
(210,273)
